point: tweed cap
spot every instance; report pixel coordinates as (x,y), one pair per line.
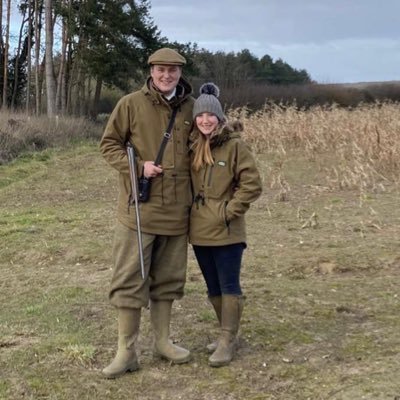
(166,56)
(208,101)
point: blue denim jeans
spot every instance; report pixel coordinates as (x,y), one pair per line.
(220,266)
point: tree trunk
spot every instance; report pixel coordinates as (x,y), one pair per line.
(96,99)
(50,79)
(1,43)
(6,47)
(38,91)
(68,81)
(29,67)
(16,66)
(61,74)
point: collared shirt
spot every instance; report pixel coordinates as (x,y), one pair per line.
(169,97)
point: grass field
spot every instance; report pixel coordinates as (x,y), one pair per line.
(321,275)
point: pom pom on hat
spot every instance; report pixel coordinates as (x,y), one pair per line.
(208,101)
(209,88)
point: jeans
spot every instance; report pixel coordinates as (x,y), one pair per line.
(220,266)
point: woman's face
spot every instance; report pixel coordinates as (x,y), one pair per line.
(207,123)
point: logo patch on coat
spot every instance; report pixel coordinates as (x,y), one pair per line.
(221,163)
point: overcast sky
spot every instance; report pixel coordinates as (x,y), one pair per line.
(336,41)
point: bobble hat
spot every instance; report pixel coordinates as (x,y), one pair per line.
(208,101)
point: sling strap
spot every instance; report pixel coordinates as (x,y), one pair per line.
(166,137)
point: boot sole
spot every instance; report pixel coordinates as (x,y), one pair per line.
(130,369)
(217,364)
(160,356)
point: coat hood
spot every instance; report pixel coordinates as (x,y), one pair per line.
(228,131)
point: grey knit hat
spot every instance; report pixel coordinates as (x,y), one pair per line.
(208,101)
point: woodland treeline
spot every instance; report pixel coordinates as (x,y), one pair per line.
(68,51)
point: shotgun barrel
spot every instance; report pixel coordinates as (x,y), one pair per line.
(135,200)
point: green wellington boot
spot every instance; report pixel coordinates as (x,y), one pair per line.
(128,331)
(231,311)
(160,315)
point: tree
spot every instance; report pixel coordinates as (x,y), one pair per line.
(29,55)
(5,59)
(18,59)
(114,39)
(37,33)
(50,79)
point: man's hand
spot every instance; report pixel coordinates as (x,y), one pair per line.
(150,170)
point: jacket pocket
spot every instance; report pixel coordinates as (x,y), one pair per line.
(175,189)
(222,215)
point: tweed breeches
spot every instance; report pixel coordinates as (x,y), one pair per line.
(165,262)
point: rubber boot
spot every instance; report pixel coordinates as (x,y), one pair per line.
(128,331)
(216,303)
(231,311)
(160,315)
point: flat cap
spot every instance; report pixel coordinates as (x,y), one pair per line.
(166,56)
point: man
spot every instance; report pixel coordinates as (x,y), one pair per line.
(142,118)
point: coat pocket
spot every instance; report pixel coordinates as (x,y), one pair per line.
(224,213)
(176,189)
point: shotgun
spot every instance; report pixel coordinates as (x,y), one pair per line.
(135,200)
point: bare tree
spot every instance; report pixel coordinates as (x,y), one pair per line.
(1,36)
(38,86)
(6,47)
(60,95)
(28,78)
(17,59)
(50,79)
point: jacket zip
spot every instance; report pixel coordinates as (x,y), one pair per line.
(210,175)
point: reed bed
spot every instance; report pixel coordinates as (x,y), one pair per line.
(356,147)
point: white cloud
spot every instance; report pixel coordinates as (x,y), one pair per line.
(334,41)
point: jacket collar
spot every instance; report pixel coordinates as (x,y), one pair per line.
(183,91)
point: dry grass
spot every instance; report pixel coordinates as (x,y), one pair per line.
(20,133)
(354,148)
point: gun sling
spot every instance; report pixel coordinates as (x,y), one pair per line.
(145,183)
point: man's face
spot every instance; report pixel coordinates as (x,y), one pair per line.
(165,77)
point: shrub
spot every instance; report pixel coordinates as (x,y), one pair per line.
(20,133)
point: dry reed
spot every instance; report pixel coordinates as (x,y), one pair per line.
(362,143)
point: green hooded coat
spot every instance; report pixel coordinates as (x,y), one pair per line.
(142,118)
(223,191)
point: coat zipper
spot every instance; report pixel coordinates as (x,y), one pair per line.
(210,175)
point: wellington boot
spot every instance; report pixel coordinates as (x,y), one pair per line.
(128,331)
(160,315)
(231,312)
(216,303)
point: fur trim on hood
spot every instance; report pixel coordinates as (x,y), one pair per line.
(227,131)
(230,130)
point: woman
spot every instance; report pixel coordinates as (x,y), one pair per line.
(225,181)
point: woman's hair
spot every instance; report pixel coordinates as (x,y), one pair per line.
(202,152)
